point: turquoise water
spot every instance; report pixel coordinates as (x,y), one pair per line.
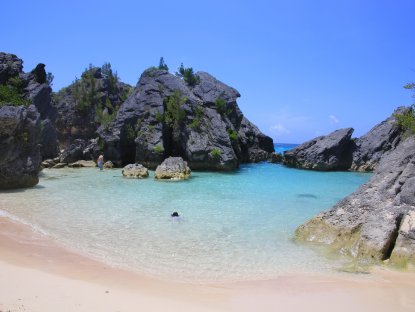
(235,226)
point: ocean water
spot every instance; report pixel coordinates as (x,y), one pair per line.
(233,226)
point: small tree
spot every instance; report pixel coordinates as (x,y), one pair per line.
(188,76)
(406,121)
(163,65)
(49,79)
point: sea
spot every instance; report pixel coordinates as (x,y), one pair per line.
(235,226)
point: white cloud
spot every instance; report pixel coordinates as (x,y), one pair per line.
(333,120)
(279,129)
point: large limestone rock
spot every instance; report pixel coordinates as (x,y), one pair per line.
(136,171)
(403,253)
(19,147)
(330,152)
(366,224)
(173,168)
(34,90)
(382,138)
(80,104)
(212,132)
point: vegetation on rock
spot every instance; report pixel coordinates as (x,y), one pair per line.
(163,65)
(12,92)
(188,75)
(174,112)
(406,121)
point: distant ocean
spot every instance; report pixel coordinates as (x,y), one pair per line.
(235,226)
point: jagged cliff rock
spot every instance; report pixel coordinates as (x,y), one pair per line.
(370,148)
(88,103)
(19,149)
(166,117)
(20,88)
(366,224)
(331,152)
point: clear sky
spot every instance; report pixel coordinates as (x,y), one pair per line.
(303,68)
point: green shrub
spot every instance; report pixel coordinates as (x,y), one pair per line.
(159,149)
(215,153)
(174,112)
(13,92)
(220,105)
(130,133)
(188,76)
(197,120)
(233,135)
(406,121)
(159,116)
(163,65)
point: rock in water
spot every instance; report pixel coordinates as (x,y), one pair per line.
(19,147)
(366,224)
(173,168)
(136,171)
(108,165)
(166,117)
(330,152)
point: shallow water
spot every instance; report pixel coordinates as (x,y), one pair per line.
(234,226)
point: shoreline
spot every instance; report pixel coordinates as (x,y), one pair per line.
(39,274)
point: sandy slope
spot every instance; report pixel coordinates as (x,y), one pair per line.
(37,274)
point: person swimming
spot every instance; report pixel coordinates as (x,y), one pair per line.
(175,214)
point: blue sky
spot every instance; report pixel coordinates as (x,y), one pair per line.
(303,68)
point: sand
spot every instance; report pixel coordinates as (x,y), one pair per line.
(39,274)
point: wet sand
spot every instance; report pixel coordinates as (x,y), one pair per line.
(39,274)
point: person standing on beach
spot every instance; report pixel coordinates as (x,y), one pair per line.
(100,162)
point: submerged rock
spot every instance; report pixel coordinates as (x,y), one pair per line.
(330,152)
(173,168)
(136,171)
(19,146)
(366,224)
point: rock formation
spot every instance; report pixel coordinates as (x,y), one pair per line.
(370,148)
(331,152)
(30,88)
(368,223)
(88,103)
(136,171)
(19,149)
(338,151)
(203,124)
(172,168)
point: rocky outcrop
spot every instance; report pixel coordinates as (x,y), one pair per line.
(367,223)
(88,103)
(31,88)
(173,168)
(331,152)
(136,171)
(382,138)
(83,164)
(166,117)
(19,150)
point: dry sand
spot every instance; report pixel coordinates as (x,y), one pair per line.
(38,274)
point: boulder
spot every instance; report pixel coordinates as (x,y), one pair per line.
(370,148)
(48,163)
(19,146)
(108,164)
(83,164)
(173,168)
(325,153)
(136,171)
(73,152)
(208,120)
(366,224)
(59,165)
